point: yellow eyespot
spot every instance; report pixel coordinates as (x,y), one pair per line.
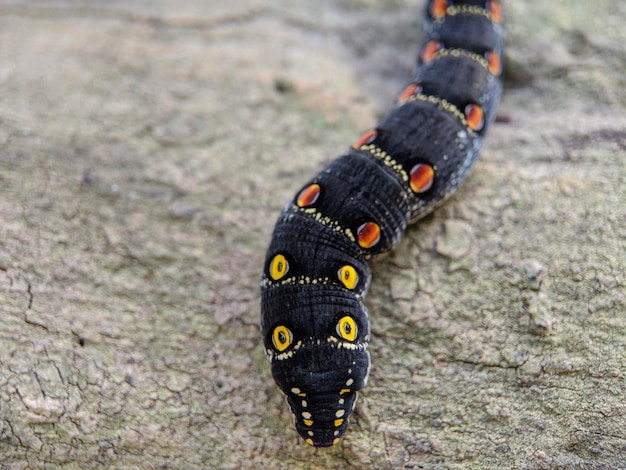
(347,329)
(348,276)
(282,338)
(278,267)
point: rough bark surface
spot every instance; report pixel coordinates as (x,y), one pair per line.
(146,150)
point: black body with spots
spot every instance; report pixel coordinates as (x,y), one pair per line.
(314,325)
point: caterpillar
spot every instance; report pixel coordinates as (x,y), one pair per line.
(314,325)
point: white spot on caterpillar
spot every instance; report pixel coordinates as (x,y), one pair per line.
(367,372)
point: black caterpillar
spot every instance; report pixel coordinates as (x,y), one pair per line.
(314,325)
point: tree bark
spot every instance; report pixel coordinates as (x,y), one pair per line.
(146,150)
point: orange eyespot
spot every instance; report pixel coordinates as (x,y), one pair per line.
(282,338)
(495,9)
(368,234)
(408,92)
(475,117)
(347,329)
(309,195)
(495,65)
(430,50)
(438,8)
(278,267)
(422,178)
(365,139)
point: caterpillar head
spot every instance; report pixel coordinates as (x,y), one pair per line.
(316,341)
